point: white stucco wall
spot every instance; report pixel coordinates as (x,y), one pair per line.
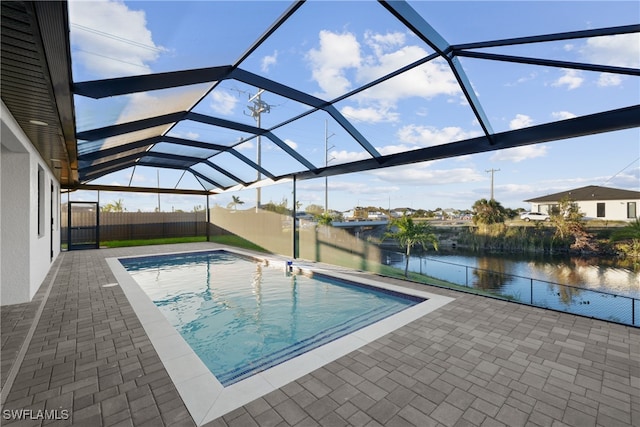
(25,256)
(14,264)
(615,210)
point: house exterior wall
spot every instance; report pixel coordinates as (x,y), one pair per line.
(614,210)
(14,212)
(26,235)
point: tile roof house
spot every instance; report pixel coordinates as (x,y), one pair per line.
(595,202)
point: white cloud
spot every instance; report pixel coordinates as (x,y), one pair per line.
(627,179)
(516,189)
(268,145)
(223,102)
(358,188)
(344,156)
(619,50)
(571,79)
(268,61)
(411,137)
(381,43)
(422,112)
(608,79)
(423,174)
(336,53)
(187,135)
(427,136)
(562,115)
(524,79)
(354,189)
(396,148)
(108,50)
(148,104)
(427,81)
(518,154)
(291,143)
(246,146)
(521,121)
(136,107)
(370,114)
(340,61)
(139,178)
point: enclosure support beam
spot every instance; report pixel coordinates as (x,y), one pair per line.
(294,222)
(208,219)
(153,190)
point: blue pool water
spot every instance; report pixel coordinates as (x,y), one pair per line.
(242,317)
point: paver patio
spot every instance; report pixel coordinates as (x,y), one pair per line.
(474,362)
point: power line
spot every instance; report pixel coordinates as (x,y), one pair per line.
(117,38)
(620,171)
(111,58)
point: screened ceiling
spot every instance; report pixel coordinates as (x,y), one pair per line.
(229,95)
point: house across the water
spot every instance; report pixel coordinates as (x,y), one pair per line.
(595,202)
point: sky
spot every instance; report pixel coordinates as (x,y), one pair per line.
(331,47)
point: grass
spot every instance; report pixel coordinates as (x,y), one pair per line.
(224,240)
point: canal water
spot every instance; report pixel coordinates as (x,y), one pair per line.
(603,288)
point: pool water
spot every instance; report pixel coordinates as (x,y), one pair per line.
(241,316)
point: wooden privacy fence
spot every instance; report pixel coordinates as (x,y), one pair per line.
(138,225)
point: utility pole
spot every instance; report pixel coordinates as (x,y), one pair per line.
(257,108)
(326,162)
(492,172)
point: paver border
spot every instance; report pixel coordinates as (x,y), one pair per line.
(204,396)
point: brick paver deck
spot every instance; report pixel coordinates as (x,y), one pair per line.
(474,362)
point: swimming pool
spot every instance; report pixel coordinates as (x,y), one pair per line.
(241,316)
(203,394)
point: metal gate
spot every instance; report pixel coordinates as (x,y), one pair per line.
(83,225)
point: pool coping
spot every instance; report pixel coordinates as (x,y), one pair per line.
(205,398)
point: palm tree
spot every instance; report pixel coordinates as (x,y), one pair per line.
(118,205)
(628,239)
(488,212)
(408,234)
(235,201)
(629,231)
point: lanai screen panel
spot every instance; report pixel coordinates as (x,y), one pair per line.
(334,87)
